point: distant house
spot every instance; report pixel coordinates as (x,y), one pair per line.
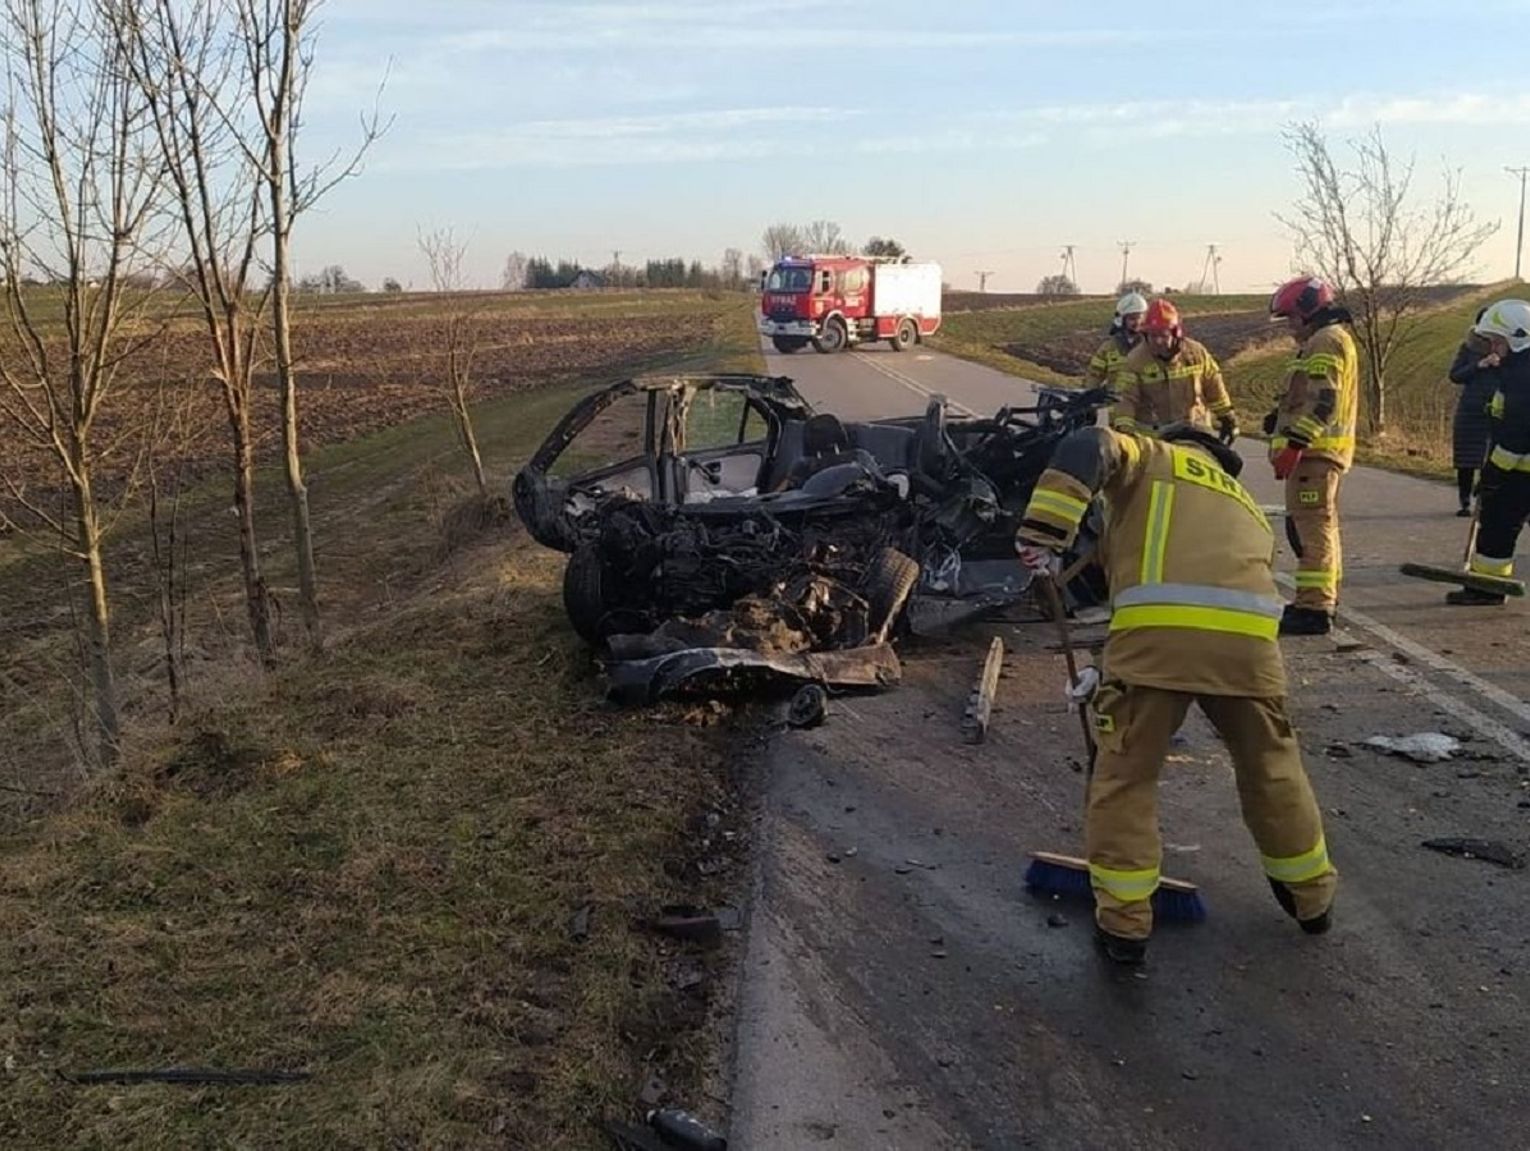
(586,280)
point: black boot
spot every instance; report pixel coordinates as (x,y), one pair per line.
(1315,926)
(1119,949)
(1305,621)
(1471,597)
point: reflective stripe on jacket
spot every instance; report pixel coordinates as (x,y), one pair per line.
(1107,359)
(1187,388)
(1322,399)
(1188,556)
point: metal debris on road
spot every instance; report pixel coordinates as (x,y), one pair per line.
(808,707)
(1424,747)
(1487,850)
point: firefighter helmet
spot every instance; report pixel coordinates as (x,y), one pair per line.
(1162,316)
(1302,298)
(1509,319)
(1131,304)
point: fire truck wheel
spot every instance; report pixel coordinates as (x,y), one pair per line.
(833,338)
(905,337)
(786,345)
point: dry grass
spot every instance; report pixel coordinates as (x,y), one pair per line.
(364,865)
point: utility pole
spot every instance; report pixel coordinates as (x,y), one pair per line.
(616,267)
(983,281)
(1070,269)
(1126,254)
(1519,240)
(1212,260)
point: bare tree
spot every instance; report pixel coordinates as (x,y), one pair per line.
(513,277)
(780,240)
(187,62)
(1360,228)
(824,236)
(1056,285)
(731,270)
(79,182)
(277,38)
(456,339)
(884,246)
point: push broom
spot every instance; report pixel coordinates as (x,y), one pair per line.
(1175,900)
(1463,575)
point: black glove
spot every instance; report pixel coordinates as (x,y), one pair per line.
(1227,427)
(1270,421)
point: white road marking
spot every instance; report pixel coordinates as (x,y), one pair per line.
(1484,724)
(911,384)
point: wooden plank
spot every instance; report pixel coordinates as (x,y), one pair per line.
(980,701)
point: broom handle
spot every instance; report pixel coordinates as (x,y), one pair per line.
(1065,641)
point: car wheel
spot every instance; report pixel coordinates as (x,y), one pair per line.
(905,337)
(890,578)
(584,593)
(833,338)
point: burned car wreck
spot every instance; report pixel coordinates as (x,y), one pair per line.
(720,531)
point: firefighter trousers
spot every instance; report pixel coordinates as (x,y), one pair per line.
(1505,506)
(1312,526)
(1133,726)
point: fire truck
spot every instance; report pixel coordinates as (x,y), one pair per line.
(835,302)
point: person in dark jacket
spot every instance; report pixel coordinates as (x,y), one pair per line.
(1475,370)
(1505,484)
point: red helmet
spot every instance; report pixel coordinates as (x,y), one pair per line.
(1302,298)
(1162,316)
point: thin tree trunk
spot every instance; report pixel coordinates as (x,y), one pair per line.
(469,438)
(257,596)
(281,296)
(98,624)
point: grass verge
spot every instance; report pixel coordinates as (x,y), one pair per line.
(368,864)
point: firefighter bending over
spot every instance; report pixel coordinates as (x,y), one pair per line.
(1188,557)
(1169,379)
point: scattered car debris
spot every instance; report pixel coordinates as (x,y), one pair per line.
(1487,850)
(188,1076)
(979,707)
(579,924)
(683,921)
(684,1132)
(808,706)
(1425,747)
(743,538)
(1057,919)
(629,1138)
(1339,751)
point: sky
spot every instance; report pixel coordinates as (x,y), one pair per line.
(985,135)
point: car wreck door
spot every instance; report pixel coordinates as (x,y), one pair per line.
(723,439)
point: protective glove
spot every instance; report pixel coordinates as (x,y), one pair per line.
(1039,560)
(1270,421)
(1285,461)
(1227,428)
(1081,690)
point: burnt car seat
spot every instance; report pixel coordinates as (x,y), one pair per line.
(825,445)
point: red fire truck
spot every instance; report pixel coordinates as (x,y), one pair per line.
(833,302)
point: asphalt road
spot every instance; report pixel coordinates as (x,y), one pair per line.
(901,989)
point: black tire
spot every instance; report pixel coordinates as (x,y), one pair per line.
(905,337)
(890,578)
(931,453)
(584,593)
(786,345)
(834,338)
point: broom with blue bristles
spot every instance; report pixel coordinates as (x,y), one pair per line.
(1175,900)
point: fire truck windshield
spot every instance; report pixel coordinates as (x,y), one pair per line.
(789,280)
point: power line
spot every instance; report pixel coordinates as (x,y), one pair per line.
(1519,240)
(1212,260)
(1126,255)
(1069,267)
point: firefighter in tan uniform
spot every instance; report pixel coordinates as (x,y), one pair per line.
(1312,445)
(1123,337)
(1171,379)
(1194,619)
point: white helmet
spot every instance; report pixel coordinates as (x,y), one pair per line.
(1131,304)
(1509,319)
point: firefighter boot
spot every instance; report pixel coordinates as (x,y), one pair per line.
(1305,621)
(1471,597)
(1119,949)
(1318,925)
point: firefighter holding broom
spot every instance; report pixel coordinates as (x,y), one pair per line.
(1195,617)
(1504,486)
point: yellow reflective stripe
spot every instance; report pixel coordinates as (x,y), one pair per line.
(1280,443)
(1509,461)
(1321,363)
(1316,579)
(1495,406)
(1160,511)
(1309,427)
(1332,443)
(1124,424)
(1127,886)
(1485,565)
(1299,868)
(1221,406)
(1057,504)
(1219,619)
